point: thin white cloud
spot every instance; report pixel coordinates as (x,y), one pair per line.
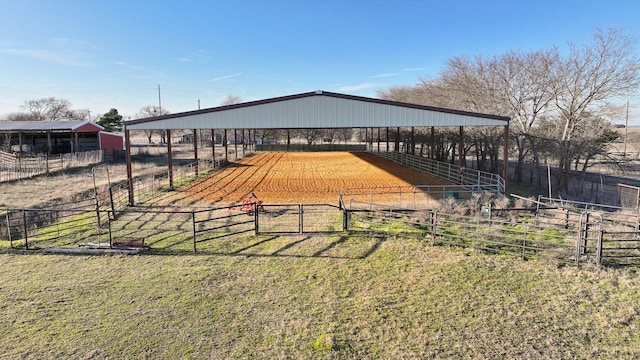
(358,87)
(129,66)
(385,75)
(68,58)
(142,71)
(184,59)
(225,77)
(68,42)
(415,69)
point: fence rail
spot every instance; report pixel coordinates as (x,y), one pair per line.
(560,231)
(480,180)
(582,239)
(522,239)
(24,167)
(409,196)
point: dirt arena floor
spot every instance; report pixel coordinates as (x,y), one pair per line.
(302,178)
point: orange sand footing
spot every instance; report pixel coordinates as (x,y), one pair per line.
(303,178)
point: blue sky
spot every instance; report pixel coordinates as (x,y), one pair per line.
(114,54)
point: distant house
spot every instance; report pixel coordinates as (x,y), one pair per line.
(57,137)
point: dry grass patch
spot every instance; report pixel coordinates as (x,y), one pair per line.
(320,297)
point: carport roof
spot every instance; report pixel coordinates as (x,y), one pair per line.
(317,109)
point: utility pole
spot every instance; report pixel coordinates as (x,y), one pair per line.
(159,101)
(626,132)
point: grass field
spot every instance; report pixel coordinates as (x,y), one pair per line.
(307,296)
(314,298)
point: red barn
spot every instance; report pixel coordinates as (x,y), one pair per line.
(55,137)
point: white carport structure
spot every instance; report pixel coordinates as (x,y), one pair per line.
(314,110)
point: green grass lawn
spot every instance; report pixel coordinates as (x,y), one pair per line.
(319,297)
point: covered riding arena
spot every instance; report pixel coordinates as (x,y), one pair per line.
(295,173)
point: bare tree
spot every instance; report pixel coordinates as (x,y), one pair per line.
(53,109)
(525,85)
(20,116)
(49,109)
(151,111)
(231,99)
(310,135)
(588,80)
(344,134)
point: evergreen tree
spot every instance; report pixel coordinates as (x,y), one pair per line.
(111,121)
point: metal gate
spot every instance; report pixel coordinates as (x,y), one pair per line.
(299,219)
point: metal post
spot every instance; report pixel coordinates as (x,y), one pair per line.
(170,159)
(585,234)
(226,148)
(195,150)
(387,139)
(235,143)
(461,147)
(213,147)
(345,219)
(127,141)
(255,220)
(9,229)
(110,233)
(434,224)
(193,222)
(505,155)
(97,211)
(300,221)
(599,247)
(24,225)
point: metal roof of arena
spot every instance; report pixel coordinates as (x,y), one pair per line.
(317,109)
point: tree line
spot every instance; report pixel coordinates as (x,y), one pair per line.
(561,102)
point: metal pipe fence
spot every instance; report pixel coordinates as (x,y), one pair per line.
(24,167)
(525,240)
(546,233)
(481,181)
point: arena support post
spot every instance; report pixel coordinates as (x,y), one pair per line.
(170,159)
(505,156)
(127,141)
(461,147)
(195,151)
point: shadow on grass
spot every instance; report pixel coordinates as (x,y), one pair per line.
(360,250)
